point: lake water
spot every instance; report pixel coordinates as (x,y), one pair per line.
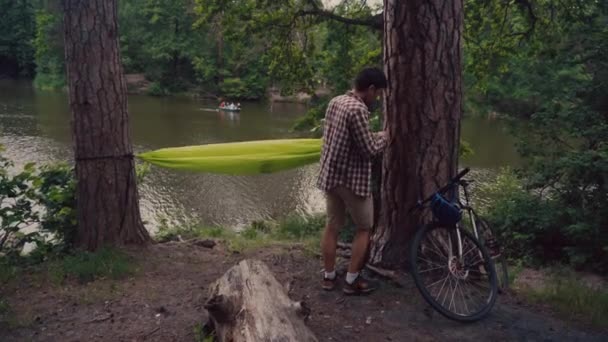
(34,127)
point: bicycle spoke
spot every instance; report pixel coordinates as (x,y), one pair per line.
(432,269)
(436,252)
(479,289)
(474,298)
(440,244)
(442,286)
(464,301)
(453,292)
(437,282)
(447,292)
(430,262)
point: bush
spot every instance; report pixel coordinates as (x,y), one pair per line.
(249,88)
(300,227)
(156,89)
(37,207)
(543,228)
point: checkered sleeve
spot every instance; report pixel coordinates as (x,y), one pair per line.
(369,144)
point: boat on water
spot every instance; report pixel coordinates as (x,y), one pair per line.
(231,107)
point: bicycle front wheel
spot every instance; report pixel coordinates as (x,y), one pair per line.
(453,272)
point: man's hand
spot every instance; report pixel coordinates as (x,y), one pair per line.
(382,135)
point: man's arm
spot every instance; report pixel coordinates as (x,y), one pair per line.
(369,144)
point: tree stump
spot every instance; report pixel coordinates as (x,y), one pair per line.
(248,304)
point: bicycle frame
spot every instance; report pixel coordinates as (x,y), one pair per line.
(466,207)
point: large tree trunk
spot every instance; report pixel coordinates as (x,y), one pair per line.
(248,304)
(108,208)
(423,107)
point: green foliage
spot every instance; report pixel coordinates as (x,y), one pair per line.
(16,31)
(300,227)
(156,89)
(554,80)
(236,88)
(22,196)
(304,229)
(533,227)
(56,189)
(48,42)
(87,266)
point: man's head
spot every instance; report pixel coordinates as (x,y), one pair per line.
(369,85)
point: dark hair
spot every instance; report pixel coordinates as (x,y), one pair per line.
(370,77)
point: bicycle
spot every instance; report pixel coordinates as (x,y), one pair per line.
(448,254)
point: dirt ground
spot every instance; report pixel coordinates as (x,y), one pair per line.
(164,301)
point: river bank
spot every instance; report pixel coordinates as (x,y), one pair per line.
(162,299)
(138,84)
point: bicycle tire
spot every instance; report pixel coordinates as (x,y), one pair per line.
(500,262)
(488,266)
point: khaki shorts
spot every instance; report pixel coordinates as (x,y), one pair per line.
(361,209)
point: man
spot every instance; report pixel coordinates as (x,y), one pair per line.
(345,175)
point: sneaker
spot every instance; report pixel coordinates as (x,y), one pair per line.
(360,286)
(328,284)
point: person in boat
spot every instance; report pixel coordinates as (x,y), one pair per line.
(345,175)
(222,104)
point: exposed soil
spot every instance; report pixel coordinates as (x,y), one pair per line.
(164,302)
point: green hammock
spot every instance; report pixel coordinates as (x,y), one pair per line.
(240,158)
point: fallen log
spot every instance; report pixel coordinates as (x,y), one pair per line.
(248,304)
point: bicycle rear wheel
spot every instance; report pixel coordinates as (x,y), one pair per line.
(488,238)
(461,288)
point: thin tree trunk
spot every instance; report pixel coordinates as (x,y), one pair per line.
(108,208)
(423,62)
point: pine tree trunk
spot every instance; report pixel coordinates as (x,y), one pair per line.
(108,208)
(423,62)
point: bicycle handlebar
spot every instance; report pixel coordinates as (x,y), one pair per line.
(454,180)
(445,188)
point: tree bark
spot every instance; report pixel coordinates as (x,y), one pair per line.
(108,208)
(248,304)
(423,107)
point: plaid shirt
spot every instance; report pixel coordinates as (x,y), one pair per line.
(348,146)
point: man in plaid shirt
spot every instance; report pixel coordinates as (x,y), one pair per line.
(345,175)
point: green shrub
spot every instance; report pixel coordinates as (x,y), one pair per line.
(52,229)
(543,228)
(300,227)
(156,89)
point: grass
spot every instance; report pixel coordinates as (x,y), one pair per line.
(305,230)
(86,266)
(573,299)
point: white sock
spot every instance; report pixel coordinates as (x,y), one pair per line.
(330,275)
(350,277)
